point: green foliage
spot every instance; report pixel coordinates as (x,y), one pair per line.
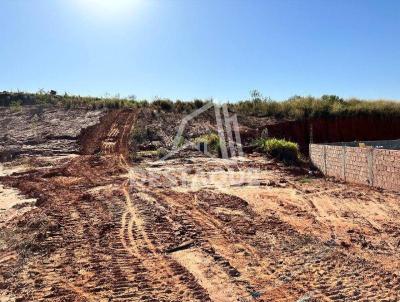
(295,108)
(212,141)
(15,105)
(282,149)
(164,104)
(299,107)
(42,98)
(139,135)
(199,103)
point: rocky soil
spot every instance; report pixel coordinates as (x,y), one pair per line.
(38,130)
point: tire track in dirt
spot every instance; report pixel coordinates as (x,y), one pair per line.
(290,266)
(82,265)
(161,278)
(116,140)
(170,281)
(114,239)
(216,237)
(170,216)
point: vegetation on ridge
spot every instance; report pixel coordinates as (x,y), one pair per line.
(294,108)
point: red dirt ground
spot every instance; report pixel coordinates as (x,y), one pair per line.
(101,232)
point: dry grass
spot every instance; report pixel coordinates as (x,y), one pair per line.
(295,108)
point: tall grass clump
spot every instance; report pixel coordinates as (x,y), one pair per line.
(211,141)
(15,106)
(281,149)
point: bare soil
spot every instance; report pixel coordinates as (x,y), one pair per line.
(43,130)
(192,229)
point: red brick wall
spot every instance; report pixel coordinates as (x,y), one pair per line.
(376,167)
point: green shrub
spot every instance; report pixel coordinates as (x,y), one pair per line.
(211,140)
(15,105)
(281,149)
(180,106)
(164,105)
(199,103)
(139,135)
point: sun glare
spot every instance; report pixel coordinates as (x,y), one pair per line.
(108,8)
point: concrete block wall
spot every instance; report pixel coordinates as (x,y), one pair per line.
(334,161)
(368,166)
(386,169)
(356,165)
(317,156)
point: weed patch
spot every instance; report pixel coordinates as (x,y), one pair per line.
(281,149)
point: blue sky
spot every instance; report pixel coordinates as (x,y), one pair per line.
(182,49)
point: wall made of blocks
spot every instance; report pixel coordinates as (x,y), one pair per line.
(368,166)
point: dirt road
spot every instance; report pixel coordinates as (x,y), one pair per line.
(180,230)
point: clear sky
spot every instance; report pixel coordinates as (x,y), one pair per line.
(202,48)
